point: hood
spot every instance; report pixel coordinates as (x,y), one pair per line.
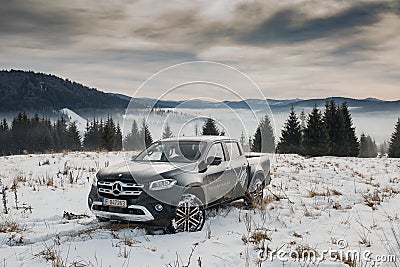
(141,171)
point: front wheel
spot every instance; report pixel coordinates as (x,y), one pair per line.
(189,215)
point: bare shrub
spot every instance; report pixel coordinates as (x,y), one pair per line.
(335,192)
(372,199)
(314,193)
(4,198)
(8,226)
(256,237)
(52,254)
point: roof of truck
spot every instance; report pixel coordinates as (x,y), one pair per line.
(200,138)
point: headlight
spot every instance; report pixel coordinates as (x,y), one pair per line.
(162,184)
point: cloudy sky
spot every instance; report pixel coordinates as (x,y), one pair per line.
(290,49)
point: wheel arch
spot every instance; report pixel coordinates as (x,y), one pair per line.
(265,178)
(197,190)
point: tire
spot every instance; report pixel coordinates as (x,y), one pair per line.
(189,215)
(255,197)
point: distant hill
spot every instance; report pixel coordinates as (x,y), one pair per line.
(37,92)
(358,105)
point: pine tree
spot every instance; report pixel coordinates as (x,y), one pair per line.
(34,142)
(315,139)
(107,136)
(351,144)
(19,133)
(290,141)
(363,146)
(256,141)
(383,148)
(303,121)
(91,139)
(73,137)
(118,138)
(210,128)
(44,135)
(335,126)
(86,135)
(167,132)
(5,138)
(368,147)
(146,137)
(374,149)
(264,138)
(133,140)
(48,135)
(394,144)
(60,134)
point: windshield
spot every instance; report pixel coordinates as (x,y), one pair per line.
(173,151)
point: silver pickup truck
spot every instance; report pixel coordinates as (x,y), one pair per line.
(173,181)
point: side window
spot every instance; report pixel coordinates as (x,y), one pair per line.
(233,150)
(216,150)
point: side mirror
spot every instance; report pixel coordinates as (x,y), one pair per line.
(203,166)
(211,161)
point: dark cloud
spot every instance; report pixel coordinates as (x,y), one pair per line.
(42,23)
(184,28)
(291,26)
(350,53)
(130,56)
(317,44)
(48,24)
(25,16)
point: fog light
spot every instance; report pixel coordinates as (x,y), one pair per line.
(158,207)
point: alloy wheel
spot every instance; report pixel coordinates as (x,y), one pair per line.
(190,215)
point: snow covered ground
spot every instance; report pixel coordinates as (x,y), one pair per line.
(313,204)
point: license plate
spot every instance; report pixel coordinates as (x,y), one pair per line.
(115,202)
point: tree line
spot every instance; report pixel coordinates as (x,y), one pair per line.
(331,133)
(35,134)
(328,133)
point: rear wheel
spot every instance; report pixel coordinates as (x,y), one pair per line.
(189,215)
(256,196)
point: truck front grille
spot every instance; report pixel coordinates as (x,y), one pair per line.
(118,188)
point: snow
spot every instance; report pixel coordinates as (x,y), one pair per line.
(73,117)
(312,202)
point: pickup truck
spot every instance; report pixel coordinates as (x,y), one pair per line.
(172,182)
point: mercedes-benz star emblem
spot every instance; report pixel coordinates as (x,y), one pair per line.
(117,188)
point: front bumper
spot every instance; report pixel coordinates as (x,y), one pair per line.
(140,209)
(143,215)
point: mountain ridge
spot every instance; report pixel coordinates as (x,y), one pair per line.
(365,104)
(43,93)
(40,93)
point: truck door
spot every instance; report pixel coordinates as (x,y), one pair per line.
(216,183)
(238,167)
